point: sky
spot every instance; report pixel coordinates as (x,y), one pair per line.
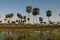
(18,6)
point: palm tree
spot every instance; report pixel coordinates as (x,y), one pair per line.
(48,14)
(24,18)
(28,20)
(17,21)
(9,16)
(28,10)
(50,22)
(40,19)
(35,12)
(19,16)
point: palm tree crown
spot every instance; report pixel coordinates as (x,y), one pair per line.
(49,13)
(28,9)
(19,15)
(40,19)
(9,16)
(35,11)
(24,17)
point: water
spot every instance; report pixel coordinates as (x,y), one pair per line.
(36,35)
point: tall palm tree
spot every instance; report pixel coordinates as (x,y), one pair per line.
(48,14)
(35,12)
(19,16)
(28,10)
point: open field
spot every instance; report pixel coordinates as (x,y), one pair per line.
(26,27)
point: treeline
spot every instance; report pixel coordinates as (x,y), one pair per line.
(35,12)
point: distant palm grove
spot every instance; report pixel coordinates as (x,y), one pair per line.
(23,29)
(23,19)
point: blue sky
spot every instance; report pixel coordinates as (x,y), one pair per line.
(18,6)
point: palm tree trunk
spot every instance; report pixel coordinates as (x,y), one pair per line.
(21,21)
(36,19)
(8,20)
(48,19)
(28,17)
(33,19)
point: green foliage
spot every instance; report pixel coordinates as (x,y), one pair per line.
(49,13)
(28,9)
(24,17)
(28,19)
(35,11)
(19,15)
(9,15)
(40,19)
